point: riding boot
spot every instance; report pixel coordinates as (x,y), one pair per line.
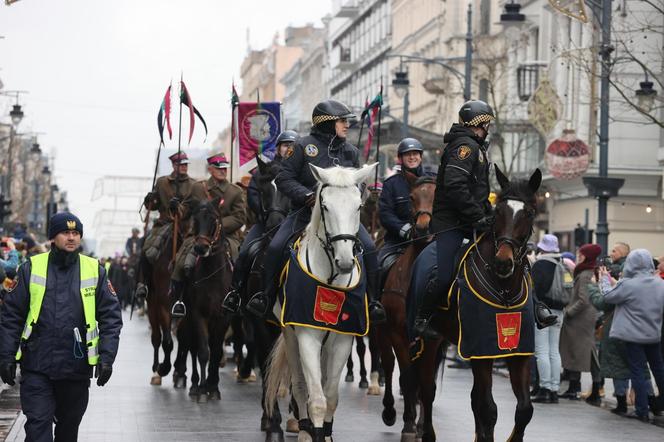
(621,407)
(422,326)
(179,310)
(377,313)
(544,317)
(232,300)
(259,304)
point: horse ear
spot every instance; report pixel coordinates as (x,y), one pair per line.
(411,178)
(317,173)
(261,164)
(535,180)
(502,179)
(364,172)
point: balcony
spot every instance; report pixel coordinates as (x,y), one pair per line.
(528,76)
(349,9)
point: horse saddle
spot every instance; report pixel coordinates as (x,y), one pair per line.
(385,265)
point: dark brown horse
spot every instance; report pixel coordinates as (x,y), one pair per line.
(158,278)
(499,262)
(392,336)
(205,325)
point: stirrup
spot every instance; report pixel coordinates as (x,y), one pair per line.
(258,305)
(141,290)
(232,301)
(179,310)
(422,328)
(377,314)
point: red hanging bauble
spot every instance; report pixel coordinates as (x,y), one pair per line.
(567,157)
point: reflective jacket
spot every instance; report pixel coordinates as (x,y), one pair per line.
(320,149)
(51,348)
(462,185)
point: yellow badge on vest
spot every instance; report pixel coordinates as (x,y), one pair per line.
(311,150)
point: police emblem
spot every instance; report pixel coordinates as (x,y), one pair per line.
(311,150)
(289,152)
(71,225)
(463,152)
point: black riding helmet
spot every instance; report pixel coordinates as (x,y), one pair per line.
(475,113)
(287,136)
(409,145)
(327,112)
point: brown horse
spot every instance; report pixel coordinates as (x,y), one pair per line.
(158,278)
(392,336)
(497,263)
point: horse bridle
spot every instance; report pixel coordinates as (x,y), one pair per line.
(329,240)
(520,249)
(217,227)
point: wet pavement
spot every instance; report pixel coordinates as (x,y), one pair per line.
(130,409)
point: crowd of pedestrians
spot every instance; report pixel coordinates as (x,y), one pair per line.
(610,313)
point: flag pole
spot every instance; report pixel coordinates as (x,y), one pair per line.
(359,138)
(380,113)
(233,106)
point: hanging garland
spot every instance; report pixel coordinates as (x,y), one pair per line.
(567,157)
(572,8)
(544,108)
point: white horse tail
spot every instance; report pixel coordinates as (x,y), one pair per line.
(277,374)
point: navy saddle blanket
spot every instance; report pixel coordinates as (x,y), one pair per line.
(309,302)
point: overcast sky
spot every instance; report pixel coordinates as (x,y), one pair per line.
(96,72)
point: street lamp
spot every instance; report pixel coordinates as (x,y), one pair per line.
(35,152)
(645,95)
(401,85)
(16,115)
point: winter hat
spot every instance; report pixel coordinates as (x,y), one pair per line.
(549,244)
(63,221)
(569,255)
(590,251)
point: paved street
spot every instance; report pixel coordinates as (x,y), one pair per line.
(129,409)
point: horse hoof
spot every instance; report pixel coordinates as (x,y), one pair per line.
(408,437)
(274,436)
(350,377)
(202,399)
(303,436)
(194,392)
(265,423)
(164,369)
(222,363)
(389,416)
(364,383)
(374,390)
(292,426)
(155,379)
(214,395)
(179,381)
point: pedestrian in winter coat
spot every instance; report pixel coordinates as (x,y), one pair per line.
(639,300)
(577,337)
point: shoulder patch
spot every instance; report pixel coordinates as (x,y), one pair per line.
(311,150)
(463,152)
(289,152)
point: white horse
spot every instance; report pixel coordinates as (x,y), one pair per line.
(312,360)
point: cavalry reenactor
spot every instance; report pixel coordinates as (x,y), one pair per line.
(232,213)
(61,320)
(394,207)
(284,142)
(461,204)
(325,147)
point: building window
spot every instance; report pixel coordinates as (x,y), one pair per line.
(485,17)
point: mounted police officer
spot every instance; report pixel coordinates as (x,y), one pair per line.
(326,146)
(285,142)
(167,196)
(61,320)
(461,203)
(394,207)
(232,216)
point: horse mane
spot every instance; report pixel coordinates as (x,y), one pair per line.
(519,190)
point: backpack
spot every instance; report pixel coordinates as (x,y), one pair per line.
(562,286)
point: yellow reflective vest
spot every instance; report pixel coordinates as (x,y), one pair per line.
(89,275)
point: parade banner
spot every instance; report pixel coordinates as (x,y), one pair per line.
(369,117)
(185,99)
(164,116)
(259,125)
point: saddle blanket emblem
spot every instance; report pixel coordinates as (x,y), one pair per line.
(309,302)
(311,150)
(488,330)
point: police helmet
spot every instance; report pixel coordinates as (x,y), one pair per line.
(287,136)
(330,110)
(409,145)
(475,113)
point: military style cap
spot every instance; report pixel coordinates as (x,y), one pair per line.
(219,161)
(180,158)
(475,113)
(330,110)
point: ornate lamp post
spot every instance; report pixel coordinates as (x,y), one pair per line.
(401,85)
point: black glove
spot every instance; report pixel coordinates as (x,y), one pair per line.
(174,203)
(149,199)
(8,372)
(103,373)
(311,200)
(483,224)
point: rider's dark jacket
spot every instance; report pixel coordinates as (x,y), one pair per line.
(394,208)
(462,185)
(320,149)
